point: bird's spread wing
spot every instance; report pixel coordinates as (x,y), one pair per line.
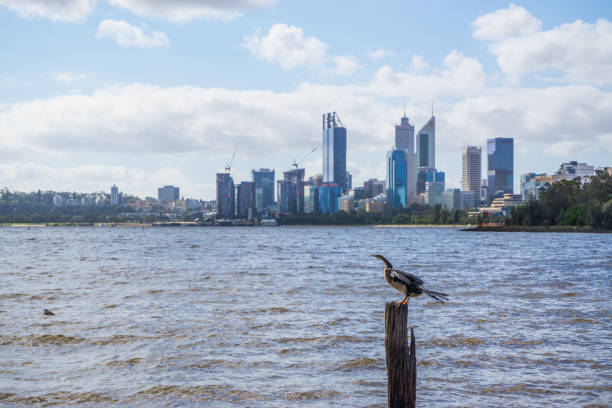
(405,277)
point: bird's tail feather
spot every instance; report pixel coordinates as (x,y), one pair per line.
(440,297)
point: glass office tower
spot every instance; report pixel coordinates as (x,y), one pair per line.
(401,177)
(500,166)
(264,180)
(334,150)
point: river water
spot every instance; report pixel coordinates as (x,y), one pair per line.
(294,317)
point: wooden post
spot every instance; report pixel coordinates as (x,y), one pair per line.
(401,357)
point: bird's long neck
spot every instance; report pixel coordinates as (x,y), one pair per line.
(387,263)
(388,275)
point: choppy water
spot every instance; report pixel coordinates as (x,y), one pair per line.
(278,317)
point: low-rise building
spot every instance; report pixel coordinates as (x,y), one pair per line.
(376,204)
(451,199)
(503,205)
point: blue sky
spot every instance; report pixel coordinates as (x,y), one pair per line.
(143,93)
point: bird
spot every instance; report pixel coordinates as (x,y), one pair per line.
(47,312)
(411,286)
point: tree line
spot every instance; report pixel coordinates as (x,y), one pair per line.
(569,203)
(413,214)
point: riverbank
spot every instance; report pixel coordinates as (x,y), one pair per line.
(422,226)
(520,228)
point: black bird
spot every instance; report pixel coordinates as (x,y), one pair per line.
(47,312)
(411,286)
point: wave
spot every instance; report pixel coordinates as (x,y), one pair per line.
(58,398)
(198,393)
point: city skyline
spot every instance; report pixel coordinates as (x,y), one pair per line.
(142,98)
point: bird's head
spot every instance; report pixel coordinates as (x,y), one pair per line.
(382,258)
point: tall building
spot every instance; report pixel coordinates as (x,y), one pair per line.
(168,193)
(296,176)
(500,166)
(426,144)
(349,182)
(264,180)
(114,197)
(259,207)
(246,199)
(401,177)
(328,198)
(334,150)
(311,200)
(404,135)
(286,191)
(471,169)
(225,195)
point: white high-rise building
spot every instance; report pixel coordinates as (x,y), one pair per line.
(404,135)
(426,144)
(471,169)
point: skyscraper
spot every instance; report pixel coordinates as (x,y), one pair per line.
(264,180)
(311,199)
(404,135)
(401,177)
(426,144)
(114,199)
(246,199)
(225,195)
(328,198)
(334,150)
(500,166)
(290,191)
(168,193)
(471,169)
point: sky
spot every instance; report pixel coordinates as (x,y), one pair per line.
(145,93)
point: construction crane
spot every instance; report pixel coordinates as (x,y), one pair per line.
(228,165)
(296,163)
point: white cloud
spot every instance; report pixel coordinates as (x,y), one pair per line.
(68,77)
(345,65)
(127,35)
(418,63)
(287,46)
(73,11)
(460,76)
(579,51)
(146,119)
(380,53)
(501,24)
(181,11)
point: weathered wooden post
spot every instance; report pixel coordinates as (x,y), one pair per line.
(401,357)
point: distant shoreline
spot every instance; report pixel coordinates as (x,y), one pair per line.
(520,228)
